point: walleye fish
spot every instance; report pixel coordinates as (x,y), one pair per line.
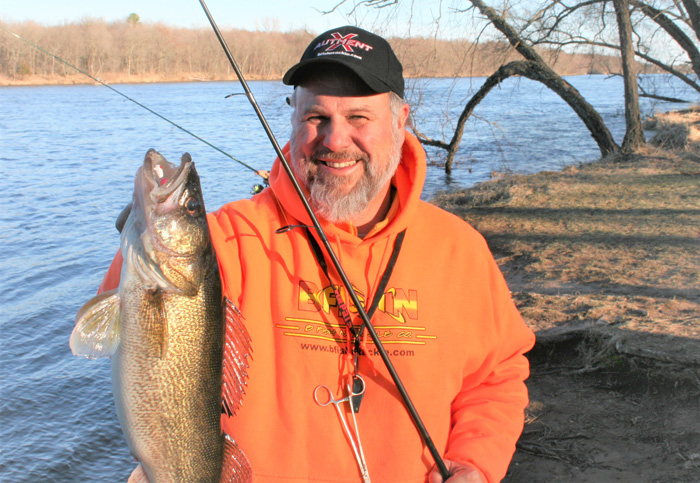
(179,352)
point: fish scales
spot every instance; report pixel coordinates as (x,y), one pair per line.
(168,411)
(164,329)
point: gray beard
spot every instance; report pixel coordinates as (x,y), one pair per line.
(326,193)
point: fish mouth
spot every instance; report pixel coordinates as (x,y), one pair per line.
(158,187)
(162,177)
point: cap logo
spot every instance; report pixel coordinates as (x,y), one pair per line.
(347,42)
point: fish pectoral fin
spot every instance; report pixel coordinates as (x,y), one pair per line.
(97,325)
(236,467)
(237,352)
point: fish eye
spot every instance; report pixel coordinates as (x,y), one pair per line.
(193,206)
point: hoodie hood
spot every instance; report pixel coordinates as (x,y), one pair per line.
(408,181)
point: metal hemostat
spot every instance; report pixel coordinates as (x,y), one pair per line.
(354,437)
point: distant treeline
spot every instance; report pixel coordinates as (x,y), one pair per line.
(132,52)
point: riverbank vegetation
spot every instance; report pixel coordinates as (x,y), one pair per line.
(131,51)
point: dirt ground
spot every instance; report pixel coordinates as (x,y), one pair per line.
(604,263)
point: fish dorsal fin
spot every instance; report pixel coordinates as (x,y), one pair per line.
(237,351)
(97,325)
(236,467)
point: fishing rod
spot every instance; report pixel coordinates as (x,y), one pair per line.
(336,263)
(259,172)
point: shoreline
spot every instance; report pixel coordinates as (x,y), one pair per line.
(110,79)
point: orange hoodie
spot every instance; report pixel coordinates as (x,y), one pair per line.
(446,319)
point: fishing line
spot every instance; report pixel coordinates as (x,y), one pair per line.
(336,263)
(259,172)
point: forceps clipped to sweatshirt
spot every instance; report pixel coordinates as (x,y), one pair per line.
(353,437)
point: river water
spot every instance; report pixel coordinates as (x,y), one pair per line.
(67,159)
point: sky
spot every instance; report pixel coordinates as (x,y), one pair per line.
(281,15)
(250,15)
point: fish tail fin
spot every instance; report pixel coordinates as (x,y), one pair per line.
(97,325)
(236,467)
(237,351)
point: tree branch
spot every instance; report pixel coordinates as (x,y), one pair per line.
(693,9)
(510,33)
(670,69)
(541,73)
(673,30)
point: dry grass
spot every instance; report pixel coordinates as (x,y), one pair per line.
(612,243)
(676,130)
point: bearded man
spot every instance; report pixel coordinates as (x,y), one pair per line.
(436,297)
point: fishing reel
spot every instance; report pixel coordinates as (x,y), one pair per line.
(257,188)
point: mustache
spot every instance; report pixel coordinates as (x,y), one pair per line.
(328,155)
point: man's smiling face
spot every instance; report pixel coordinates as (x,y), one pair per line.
(345,144)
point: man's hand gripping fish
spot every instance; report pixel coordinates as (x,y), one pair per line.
(164,329)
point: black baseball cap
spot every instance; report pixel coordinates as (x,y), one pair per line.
(366,54)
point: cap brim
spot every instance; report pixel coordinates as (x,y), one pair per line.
(294,75)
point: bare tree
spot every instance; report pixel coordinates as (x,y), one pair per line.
(662,31)
(692,9)
(551,79)
(540,72)
(132,48)
(674,30)
(634,135)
